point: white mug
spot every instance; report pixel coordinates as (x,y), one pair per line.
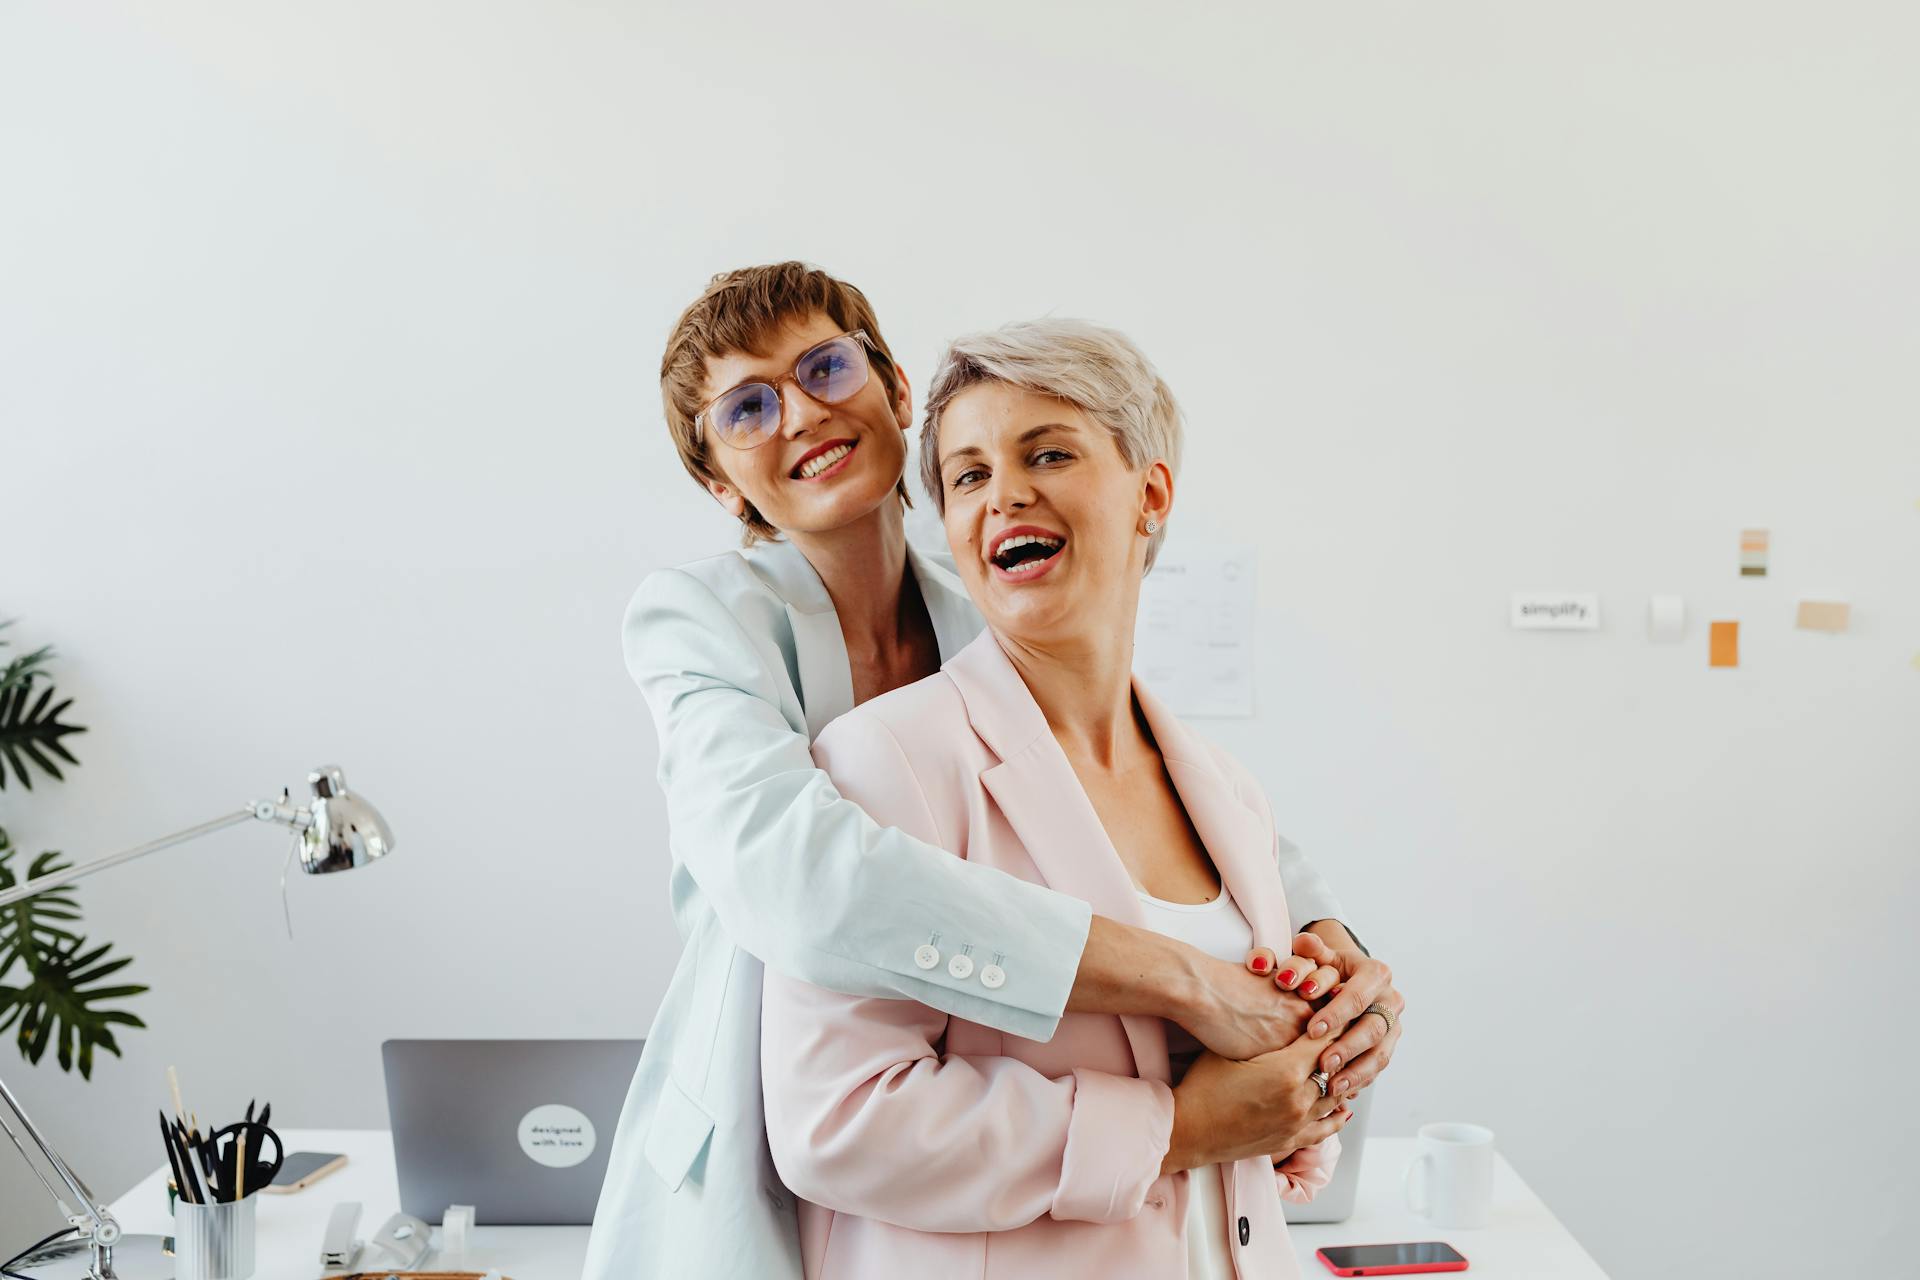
(1454,1165)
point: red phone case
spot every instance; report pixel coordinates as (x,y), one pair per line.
(1405,1269)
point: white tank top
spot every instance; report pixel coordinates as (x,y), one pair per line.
(1219,929)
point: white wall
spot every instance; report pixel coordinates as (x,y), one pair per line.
(327,343)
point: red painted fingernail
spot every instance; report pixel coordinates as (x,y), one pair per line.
(1259,964)
(1336,989)
(1307,987)
(1286,975)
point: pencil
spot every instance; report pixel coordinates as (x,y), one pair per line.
(173,1159)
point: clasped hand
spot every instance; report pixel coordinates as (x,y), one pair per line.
(1323,993)
(1253,1092)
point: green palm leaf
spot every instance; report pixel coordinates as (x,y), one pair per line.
(30,730)
(22,669)
(60,1004)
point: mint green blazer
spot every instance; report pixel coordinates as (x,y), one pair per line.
(741,661)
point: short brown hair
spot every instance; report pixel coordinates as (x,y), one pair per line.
(743,311)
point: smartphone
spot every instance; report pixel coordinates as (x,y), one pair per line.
(1391,1259)
(303,1168)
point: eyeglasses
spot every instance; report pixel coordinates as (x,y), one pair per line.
(833,372)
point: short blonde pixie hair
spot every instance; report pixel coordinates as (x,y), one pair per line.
(1096,369)
(745,310)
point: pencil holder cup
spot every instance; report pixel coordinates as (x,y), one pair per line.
(213,1241)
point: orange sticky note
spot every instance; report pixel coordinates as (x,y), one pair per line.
(1723,644)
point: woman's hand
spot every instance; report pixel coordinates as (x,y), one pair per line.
(1226,1110)
(1364,1044)
(1313,968)
(1237,1013)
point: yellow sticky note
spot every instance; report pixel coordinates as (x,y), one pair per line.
(1823,615)
(1723,644)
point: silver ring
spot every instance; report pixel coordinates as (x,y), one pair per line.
(1319,1078)
(1386,1014)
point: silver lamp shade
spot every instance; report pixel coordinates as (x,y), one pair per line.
(345,831)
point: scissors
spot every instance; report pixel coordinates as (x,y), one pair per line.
(246,1140)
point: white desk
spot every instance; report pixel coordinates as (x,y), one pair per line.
(1524,1239)
(289,1228)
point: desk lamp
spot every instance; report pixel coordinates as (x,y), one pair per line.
(336,831)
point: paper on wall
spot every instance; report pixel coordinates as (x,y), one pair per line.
(1194,641)
(1823,615)
(1666,617)
(1723,644)
(1554,611)
(1753,552)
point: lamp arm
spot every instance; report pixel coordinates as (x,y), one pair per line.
(93,1217)
(265,810)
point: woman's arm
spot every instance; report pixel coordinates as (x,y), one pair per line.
(798,875)
(866,1115)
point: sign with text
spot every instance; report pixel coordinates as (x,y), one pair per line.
(1555,611)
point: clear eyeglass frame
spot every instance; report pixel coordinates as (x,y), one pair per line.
(865,344)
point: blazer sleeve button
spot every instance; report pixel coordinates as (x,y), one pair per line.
(961,966)
(926,955)
(992,977)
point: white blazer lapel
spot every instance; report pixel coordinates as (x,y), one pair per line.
(955,621)
(819,648)
(826,676)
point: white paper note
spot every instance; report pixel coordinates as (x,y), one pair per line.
(1194,641)
(1555,611)
(1666,617)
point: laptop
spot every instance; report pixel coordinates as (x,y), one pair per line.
(1334,1202)
(519,1129)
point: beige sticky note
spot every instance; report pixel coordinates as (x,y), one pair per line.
(1823,615)
(1723,644)
(1754,544)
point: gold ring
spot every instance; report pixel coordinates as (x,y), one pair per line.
(1386,1015)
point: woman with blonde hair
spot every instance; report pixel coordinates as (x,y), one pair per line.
(927,1144)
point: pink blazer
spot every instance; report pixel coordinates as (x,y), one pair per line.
(929,1146)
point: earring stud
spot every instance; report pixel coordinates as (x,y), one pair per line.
(1153,526)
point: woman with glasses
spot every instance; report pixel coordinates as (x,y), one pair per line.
(785,405)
